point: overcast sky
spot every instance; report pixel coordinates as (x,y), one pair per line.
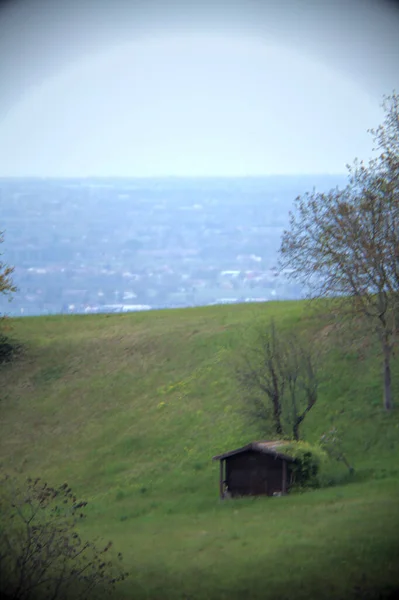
(195,96)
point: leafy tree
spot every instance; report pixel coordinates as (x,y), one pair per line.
(345,243)
(6,284)
(7,349)
(278,378)
(41,552)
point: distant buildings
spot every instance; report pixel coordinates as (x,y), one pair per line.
(126,246)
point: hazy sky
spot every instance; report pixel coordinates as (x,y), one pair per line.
(192,96)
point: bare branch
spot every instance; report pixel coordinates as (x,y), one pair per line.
(278,378)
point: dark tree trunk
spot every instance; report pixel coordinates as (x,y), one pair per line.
(279,428)
(349,467)
(295,430)
(277,392)
(298,420)
(387,379)
(277,415)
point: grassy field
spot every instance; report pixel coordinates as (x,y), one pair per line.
(129,410)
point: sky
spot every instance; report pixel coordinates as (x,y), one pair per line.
(234,89)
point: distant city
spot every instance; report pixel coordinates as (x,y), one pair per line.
(120,245)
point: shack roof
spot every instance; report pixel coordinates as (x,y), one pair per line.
(261,447)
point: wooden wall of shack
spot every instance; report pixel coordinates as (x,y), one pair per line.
(255,473)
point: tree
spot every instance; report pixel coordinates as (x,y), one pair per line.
(332,444)
(260,378)
(41,552)
(7,349)
(277,376)
(345,243)
(6,284)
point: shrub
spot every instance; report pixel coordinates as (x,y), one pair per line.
(9,349)
(41,552)
(308,460)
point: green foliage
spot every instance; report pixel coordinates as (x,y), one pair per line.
(8,350)
(42,554)
(9,347)
(344,243)
(308,460)
(6,284)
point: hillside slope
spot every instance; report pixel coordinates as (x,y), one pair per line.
(129,409)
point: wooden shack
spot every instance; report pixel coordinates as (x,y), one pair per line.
(254,470)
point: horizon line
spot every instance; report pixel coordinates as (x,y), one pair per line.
(163,177)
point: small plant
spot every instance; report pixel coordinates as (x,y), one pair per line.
(332,444)
(41,553)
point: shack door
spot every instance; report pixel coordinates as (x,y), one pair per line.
(259,480)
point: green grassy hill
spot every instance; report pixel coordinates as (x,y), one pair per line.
(129,410)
